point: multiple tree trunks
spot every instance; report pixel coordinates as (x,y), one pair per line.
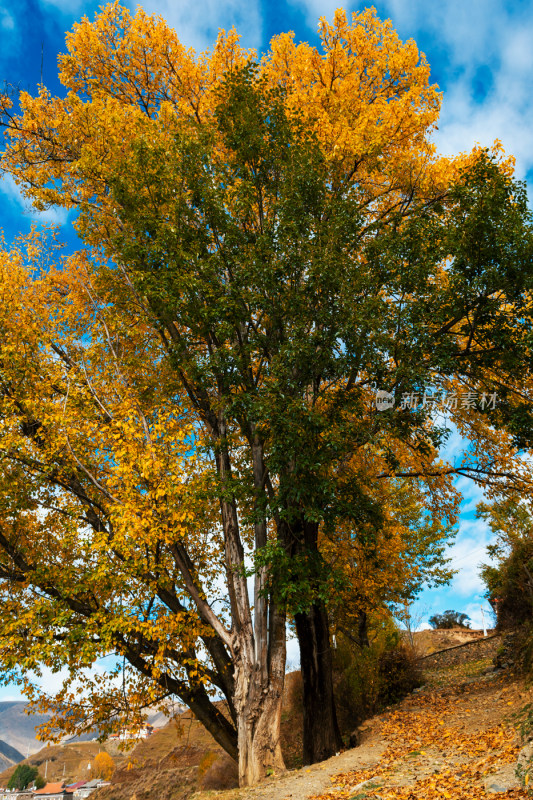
(266,283)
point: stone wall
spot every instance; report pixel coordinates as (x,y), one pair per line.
(460,654)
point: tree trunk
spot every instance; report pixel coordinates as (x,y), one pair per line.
(257,700)
(362,629)
(258,735)
(321,735)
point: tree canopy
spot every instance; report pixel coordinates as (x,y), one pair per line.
(509,576)
(25,775)
(190,399)
(450,619)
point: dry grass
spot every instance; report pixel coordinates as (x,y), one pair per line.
(68,763)
(427,642)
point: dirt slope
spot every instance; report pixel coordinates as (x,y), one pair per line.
(453,739)
(426,642)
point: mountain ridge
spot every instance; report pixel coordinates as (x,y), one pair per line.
(17,729)
(8,755)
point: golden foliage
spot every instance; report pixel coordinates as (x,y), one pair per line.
(103,766)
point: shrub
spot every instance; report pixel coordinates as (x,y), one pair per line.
(356,682)
(207,761)
(449,619)
(369,678)
(220,772)
(399,672)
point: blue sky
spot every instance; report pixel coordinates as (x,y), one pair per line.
(481,56)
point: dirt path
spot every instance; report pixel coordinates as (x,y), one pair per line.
(317,779)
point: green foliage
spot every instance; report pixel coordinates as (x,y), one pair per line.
(450,619)
(510,581)
(296,581)
(372,677)
(23,776)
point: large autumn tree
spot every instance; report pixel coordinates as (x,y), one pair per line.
(287,234)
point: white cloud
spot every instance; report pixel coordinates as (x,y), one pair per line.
(10,33)
(472,493)
(293,654)
(13,194)
(66,7)
(467,554)
(319,8)
(7,23)
(197,23)
(10,697)
(486,36)
(490,38)
(455,444)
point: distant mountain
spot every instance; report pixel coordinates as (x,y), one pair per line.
(8,755)
(17,729)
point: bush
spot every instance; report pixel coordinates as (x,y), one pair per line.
(356,683)
(399,673)
(369,678)
(449,619)
(207,761)
(219,772)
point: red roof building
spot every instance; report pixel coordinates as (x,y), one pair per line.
(52,791)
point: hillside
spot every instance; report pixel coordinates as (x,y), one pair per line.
(426,642)
(8,755)
(180,754)
(62,762)
(454,738)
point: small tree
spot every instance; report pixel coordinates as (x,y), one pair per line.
(23,776)
(103,766)
(449,619)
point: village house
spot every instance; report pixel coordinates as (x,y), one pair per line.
(126,735)
(6,794)
(56,791)
(87,788)
(52,791)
